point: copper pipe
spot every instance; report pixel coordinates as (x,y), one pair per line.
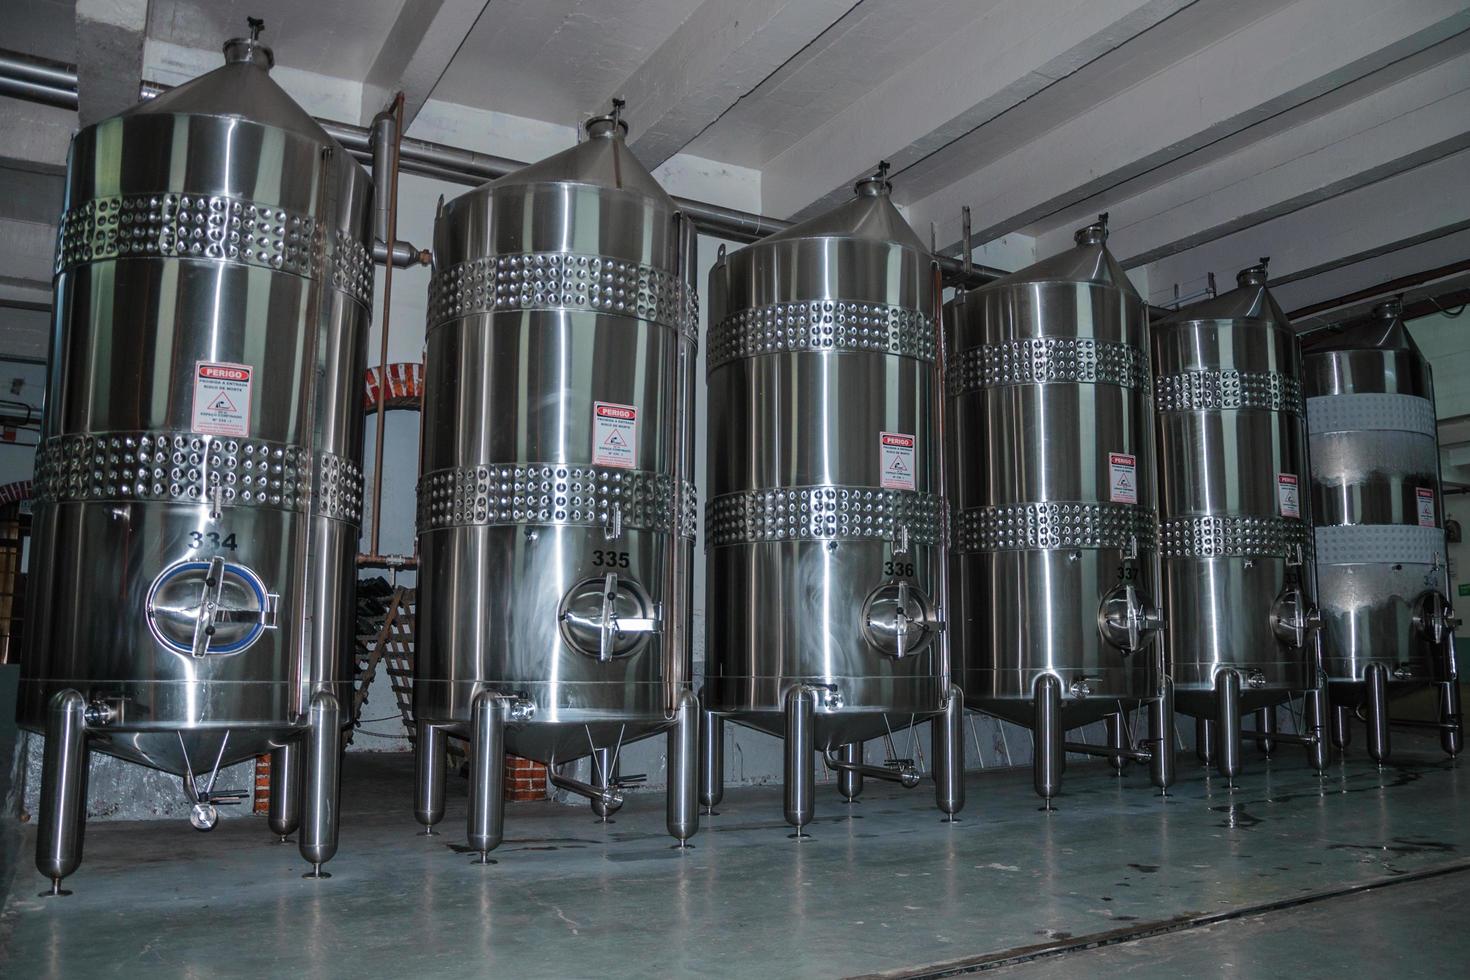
(375,534)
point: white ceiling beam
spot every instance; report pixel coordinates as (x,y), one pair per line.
(717,56)
(1009,52)
(110,35)
(1398,127)
(1298,52)
(1309,245)
(416,53)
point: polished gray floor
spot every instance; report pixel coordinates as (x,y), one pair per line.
(882,887)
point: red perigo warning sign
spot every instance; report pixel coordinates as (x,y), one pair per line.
(896,450)
(614,435)
(222,398)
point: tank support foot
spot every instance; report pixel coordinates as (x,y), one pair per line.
(1049,754)
(1227,707)
(800,774)
(319,814)
(285,801)
(1342,728)
(850,781)
(1314,717)
(1265,728)
(711,757)
(1161,734)
(1379,747)
(485,823)
(1117,732)
(430,764)
(1204,740)
(63,789)
(683,790)
(948,756)
(1452,735)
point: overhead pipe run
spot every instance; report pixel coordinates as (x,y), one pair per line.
(55,84)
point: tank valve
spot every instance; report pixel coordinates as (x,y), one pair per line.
(1434,618)
(1293,619)
(1256,679)
(1080,690)
(1126,620)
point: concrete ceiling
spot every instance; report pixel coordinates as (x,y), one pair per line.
(1333,135)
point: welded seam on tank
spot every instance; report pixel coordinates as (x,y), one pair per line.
(552,494)
(195,468)
(1150,930)
(824,513)
(562,282)
(213,227)
(822,325)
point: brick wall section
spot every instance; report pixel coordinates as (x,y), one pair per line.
(524,779)
(262,784)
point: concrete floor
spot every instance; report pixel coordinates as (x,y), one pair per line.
(881,888)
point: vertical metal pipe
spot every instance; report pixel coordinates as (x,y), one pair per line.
(485,823)
(1342,726)
(605,767)
(1314,714)
(1161,732)
(1265,728)
(285,801)
(711,756)
(849,783)
(389,133)
(63,789)
(948,755)
(678,662)
(1046,731)
(1227,704)
(1452,736)
(430,763)
(1116,731)
(1204,740)
(319,816)
(683,786)
(800,774)
(1376,676)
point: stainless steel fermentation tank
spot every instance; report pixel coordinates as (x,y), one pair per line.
(199,477)
(1056,558)
(825,543)
(555,509)
(1379,513)
(1234,520)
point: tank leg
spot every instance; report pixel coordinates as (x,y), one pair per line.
(1342,727)
(1452,737)
(430,764)
(1204,740)
(683,788)
(1265,728)
(1314,713)
(801,709)
(605,767)
(1161,732)
(1046,730)
(1378,741)
(63,790)
(485,825)
(285,801)
(1227,704)
(948,756)
(319,815)
(1116,730)
(849,783)
(711,757)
